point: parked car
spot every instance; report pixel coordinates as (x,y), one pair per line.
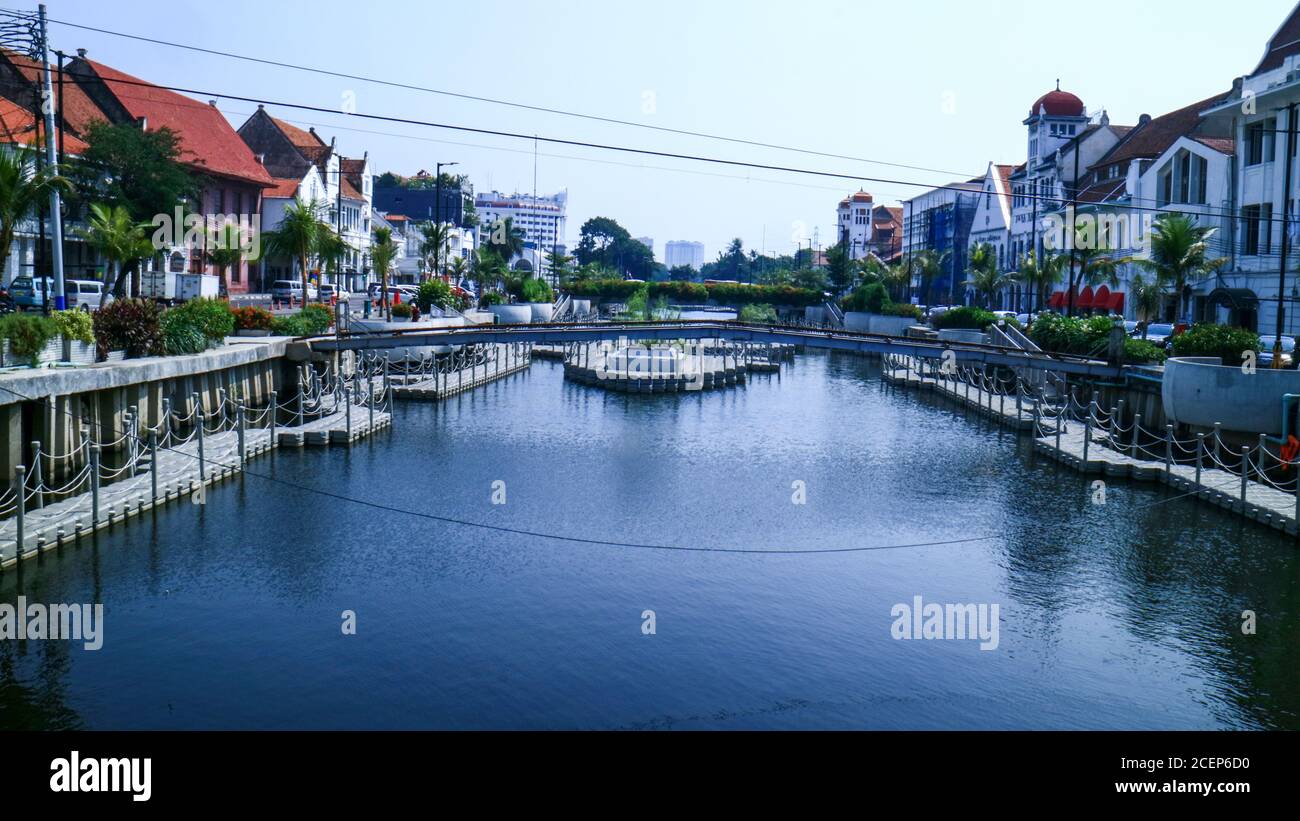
(330,292)
(1005,315)
(284,290)
(83,293)
(1265,358)
(27,293)
(1158,333)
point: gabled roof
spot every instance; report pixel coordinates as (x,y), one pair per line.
(1221,144)
(18,127)
(208,143)
(79,111)
(1284,43)
(1153,137)
(286,187)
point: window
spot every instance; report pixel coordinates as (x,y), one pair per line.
(1259,141)
(1258,227)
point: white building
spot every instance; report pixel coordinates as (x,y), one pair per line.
(854,220)
(940,220)
(991,223)
(648,242)
(680,252)
(541,219)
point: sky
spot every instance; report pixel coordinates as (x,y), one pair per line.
(938,85)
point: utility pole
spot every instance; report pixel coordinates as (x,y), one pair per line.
(52,157)
(1074,205)
(1286,232)
(437,211)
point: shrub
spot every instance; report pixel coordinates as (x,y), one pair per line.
(252,318)
(902,309)
(402,310)
(762,314)
(1141,352)
(871,298)
(433,292)
(131,325)
(492,298)
(75,325)
(211,317)
(290,325)
(316,319)
(965,318)
(27,335)
(680,291)
(1222,341)
(536,290)
(181,334)
(1063,334)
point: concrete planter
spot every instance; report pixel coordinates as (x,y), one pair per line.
(78,352)
(815,315)
(857,321)
(960,335)
(582,306)
(253,332)
(890,325)
(1201,391)
(115,356)
(541,311)
(512,314)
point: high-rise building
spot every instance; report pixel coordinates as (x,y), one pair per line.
(541,219)
(684,252)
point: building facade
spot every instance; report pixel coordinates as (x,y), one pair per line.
(681,252)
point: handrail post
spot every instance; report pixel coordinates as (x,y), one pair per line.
(239,429)
(1245,472)
(1218,442)
(38,500)
(20,498)
(1137,426)
(203,473)
(1087,436)
(271,413)
(167,415)
(1200,459)
(153,465)
(1169,450)
(94,486)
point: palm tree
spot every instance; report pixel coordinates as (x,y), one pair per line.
(1180,254)
(457,269)
(489,269)
(383,252)
(116,237)
(331,249)
(506,239)
(985,277)
(227,251)
(1147,298)
(558,263)
(23,188)
(297,235)
(436,235)
(929,265)
(1040,275)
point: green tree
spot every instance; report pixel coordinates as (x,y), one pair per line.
(559,264)
(928,266)
(983,274)
(24,187)
(1180,255)
(505,239)
(1041,274)
(434,244)
(137,169)
(227,251)
(383,253)
(297,235)
(681,273)
(1147,298)
(839,268)
(117,237)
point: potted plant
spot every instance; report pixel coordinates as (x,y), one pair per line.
(78,332)
(128,327)
(30,339)
(253,321)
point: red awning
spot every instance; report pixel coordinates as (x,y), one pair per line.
(1101,298)
(1057,300)
(1084,300)
(1117,303)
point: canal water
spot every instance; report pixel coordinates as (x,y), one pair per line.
(229,615)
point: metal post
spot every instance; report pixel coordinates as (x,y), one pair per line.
(239,429)
(1200,458)
(1169,450)
(20,494)
(1245,472)
(94,486)
(301,388)
(153,464)
(1218,442)
(1137,425)
(203,473)
(1037,417)
(132,427)
(1087,435)
(167,415)
(271,415)
(38,500)
(347,412)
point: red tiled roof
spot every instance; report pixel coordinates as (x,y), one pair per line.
(397,218)
(286,187)
(1284,43)
(18,127)
(207,140)
(1152,138)
(297,136)
(1220,144)
(79,111)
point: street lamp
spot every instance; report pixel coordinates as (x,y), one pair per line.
(437,212)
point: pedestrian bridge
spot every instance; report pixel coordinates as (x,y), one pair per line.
(742,332)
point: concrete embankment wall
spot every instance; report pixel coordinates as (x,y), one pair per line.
(62,407)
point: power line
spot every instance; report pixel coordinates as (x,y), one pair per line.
(493,101)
